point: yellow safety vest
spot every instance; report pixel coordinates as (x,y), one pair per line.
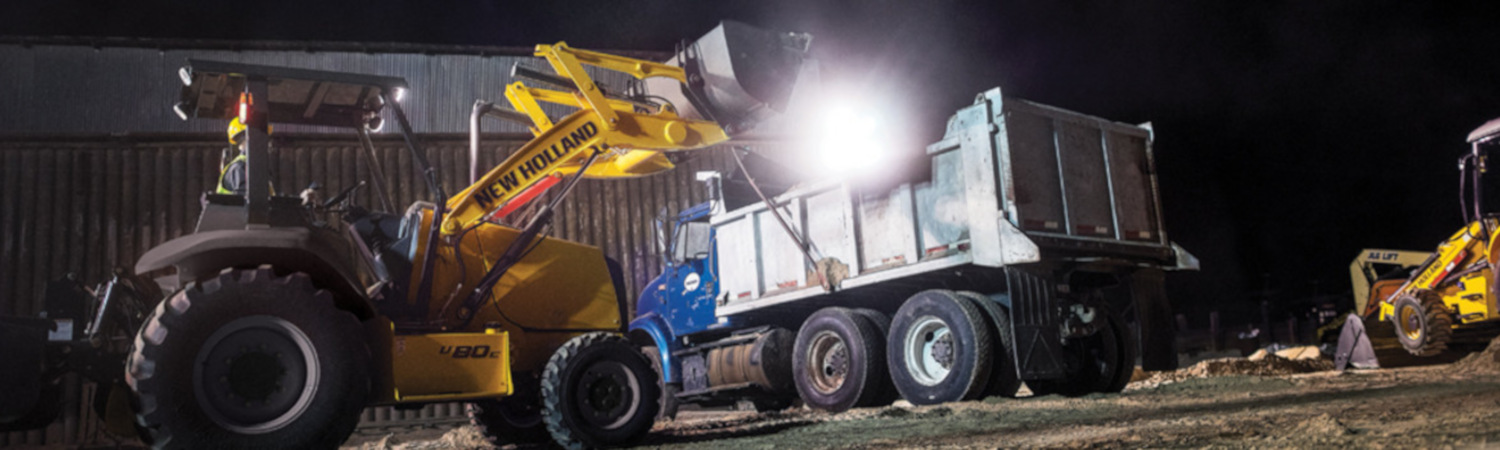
(227,167)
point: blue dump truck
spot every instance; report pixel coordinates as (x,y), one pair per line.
(1035,253)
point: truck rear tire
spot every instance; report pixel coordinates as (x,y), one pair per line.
(1107,360)
(249,359)
(598,390)
(1004,381)
(837,360)
(885,389)
(1423,323)
(940,348)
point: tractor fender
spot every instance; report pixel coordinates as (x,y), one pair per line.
(325,256)
(651,329)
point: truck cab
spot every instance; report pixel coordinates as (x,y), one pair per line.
(680,301)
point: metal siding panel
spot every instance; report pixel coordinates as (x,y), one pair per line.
(1131,174)
(10,241)
(163,198)
(1086,181)
(40,238)
(831,229)
(888,232)
(1037,185)
(78,199)
(18,71)
(942,216)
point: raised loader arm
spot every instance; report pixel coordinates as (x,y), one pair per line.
(629,143)
(730,79)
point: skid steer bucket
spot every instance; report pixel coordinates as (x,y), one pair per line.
(738,75)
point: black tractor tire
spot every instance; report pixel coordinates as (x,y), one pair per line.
(1004,381)
(511,420)
(884,387)
(940,348)
(836,360)
(598,390)
(1424,325)
(1106,361)
(669,403)
(249,359)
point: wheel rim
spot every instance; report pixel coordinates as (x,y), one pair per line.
(830,362)
(608,394)
(1411,323)
(256,374)
(929,350)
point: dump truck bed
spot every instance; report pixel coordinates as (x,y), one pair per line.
(1013,182)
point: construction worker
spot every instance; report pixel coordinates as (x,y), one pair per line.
(232,172)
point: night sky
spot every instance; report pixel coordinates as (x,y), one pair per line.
(1289,134)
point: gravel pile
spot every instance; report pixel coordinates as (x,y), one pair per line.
(1271,365)
(1487,361)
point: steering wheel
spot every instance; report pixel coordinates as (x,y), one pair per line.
(347,193)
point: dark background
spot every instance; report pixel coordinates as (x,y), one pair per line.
(1289,134)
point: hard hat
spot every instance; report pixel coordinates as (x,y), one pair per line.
(237,129)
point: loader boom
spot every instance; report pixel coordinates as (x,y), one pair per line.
(629,143)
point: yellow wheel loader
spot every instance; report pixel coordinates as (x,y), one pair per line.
(289,315)
(1454,289)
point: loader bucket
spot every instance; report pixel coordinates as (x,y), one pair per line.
(738,75)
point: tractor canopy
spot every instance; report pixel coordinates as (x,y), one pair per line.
(212,90)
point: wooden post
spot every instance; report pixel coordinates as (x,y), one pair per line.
(1216,333)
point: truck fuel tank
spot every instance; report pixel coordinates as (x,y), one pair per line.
(765,361)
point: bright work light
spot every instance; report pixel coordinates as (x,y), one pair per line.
(849,137)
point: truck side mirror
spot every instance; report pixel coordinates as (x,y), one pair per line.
(692,242)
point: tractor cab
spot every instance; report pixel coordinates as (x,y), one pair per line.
(258,96)
(1480,187)
(285,226)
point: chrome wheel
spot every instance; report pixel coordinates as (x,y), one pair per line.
(929,350)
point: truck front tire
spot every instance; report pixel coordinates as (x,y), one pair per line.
(598,390)
(836,361)
(249,359)
(940,348)
(669,403)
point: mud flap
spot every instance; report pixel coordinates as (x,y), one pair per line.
(1036,322)
(1158,337)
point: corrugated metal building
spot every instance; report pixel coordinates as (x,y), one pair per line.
(95,168)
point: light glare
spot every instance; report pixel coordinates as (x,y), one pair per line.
(850,139)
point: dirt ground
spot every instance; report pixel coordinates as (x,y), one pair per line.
(1230,402)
